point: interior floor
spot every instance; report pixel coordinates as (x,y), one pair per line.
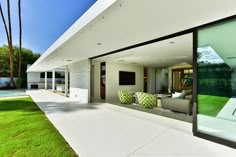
(157,110)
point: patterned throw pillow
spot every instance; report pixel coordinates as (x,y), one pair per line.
(147,100)
(125,97)
(137,95)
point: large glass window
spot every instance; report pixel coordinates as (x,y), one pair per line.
(216,80)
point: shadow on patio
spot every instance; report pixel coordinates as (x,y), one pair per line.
(69,106)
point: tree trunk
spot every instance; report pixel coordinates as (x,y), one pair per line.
(10,46)
(9,40)
(20,41)
(4,22)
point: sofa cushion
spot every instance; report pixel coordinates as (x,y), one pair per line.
(185,92)
(125,97)
(176,104)
(147,100)
(189,97)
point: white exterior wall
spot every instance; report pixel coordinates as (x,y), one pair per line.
(33,78)
(80,81)
(112,79)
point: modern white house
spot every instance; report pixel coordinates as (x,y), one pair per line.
(156,40)
(35,80)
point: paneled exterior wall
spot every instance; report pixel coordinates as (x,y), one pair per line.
(80,80)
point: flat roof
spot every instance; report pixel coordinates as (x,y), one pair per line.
(114,24)
(96,9)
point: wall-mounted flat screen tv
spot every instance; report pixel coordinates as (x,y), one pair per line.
(126,78)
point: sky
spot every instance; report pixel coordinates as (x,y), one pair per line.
(209,55)
(43,21)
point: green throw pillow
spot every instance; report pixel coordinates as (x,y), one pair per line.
(125,97)
(137,95)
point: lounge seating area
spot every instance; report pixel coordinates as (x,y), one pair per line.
(181,103)
(145,100)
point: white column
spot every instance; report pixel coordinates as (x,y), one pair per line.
(151,80)
(53,81)
(66,81)
(46,80)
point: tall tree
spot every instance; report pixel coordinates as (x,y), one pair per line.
(10,45)
(9,40)
(4,22)
(28,57)
(20,40)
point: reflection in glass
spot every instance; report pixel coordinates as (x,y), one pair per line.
(216,81)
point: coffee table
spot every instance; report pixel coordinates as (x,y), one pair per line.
(160,96)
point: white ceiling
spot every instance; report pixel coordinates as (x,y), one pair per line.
(160,54)
(128,22)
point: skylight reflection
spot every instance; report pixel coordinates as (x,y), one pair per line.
(208,55)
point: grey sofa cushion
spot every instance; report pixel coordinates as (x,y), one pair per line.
(186,92)
(189,97)
(177,104)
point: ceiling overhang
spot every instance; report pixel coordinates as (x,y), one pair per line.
(165,53)
(114,24)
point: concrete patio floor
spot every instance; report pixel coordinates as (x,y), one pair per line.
(106,130)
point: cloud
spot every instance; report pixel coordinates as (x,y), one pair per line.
(208,54)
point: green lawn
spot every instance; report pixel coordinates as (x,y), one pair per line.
(211,105)
(26,131)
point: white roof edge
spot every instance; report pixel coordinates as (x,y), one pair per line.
(96,9)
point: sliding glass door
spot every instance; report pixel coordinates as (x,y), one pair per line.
(216,82)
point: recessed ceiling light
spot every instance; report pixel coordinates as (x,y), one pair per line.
(121,60)
(99,43)
(172,42)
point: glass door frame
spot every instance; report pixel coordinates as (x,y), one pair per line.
(195,101)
